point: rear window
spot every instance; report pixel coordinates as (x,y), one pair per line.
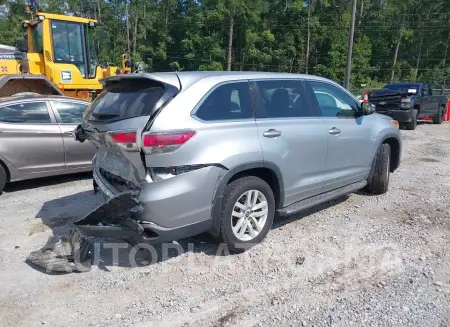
(229,101)
(127,99)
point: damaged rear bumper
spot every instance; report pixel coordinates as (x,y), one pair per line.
(136,217)
(118,218)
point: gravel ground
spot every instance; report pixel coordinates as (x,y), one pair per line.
(360,260)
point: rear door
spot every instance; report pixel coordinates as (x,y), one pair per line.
(116,121)
(292,136)
(68,115)
(350,147)
(30,138)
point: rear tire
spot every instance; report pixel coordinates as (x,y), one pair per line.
(412,125)
(3,178)
(439,118)
(379,183)
(236,212)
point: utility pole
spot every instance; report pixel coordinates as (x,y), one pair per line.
(351,34)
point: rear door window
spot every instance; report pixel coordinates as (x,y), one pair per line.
(25,113)
(282,99)
(230,101)
(127,99)
(69,112)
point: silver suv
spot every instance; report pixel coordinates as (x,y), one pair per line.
(184,153)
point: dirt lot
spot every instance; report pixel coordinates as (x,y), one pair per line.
(361,260)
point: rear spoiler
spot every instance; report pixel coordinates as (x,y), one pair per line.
(170,79)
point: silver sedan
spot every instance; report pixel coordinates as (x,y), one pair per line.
(36,138)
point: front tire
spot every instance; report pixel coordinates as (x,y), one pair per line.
(3,178)
(439,117)
(412,125)
(247,213)
(379,182)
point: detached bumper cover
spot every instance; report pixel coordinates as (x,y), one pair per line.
(72,253)
(63,255)
(117,218)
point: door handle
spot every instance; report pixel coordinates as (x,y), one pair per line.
(271,133)
(68,133)
(334,131)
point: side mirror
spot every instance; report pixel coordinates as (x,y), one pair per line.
(22,45)
(367,108)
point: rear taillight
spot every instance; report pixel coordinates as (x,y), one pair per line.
(126,140)
(165,142)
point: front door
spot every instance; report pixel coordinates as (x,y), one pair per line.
(69,115)
(292,136)
(30,139)
(349,154)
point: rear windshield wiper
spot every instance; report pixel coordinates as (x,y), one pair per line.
(104,116)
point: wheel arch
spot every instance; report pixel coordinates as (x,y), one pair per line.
(5,167)
(395,152)
(268,172)
(418,107)
(396,149)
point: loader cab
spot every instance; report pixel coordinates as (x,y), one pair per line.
(65,45)
(73,44)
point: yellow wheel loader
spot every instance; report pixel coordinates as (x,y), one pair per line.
(57,57)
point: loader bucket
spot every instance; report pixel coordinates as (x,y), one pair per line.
(24,83)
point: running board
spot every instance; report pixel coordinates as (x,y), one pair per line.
(321,198)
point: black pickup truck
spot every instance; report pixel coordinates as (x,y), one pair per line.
(407,102)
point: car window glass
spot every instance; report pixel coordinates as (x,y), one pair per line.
(68,44)
(69,112)
(31,112)
(229,101)
(332,101)
(235,101)
(282,98)
(136,97)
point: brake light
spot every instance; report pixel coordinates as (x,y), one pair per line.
(126,140)
(129,137)
(165,142)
